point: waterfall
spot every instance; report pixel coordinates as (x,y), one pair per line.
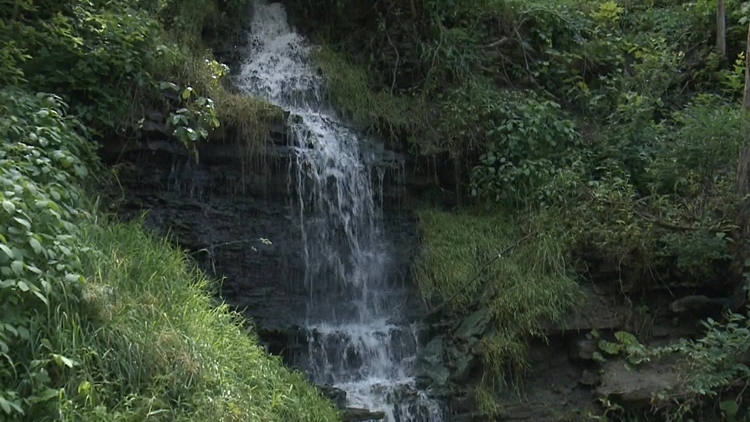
(358,340)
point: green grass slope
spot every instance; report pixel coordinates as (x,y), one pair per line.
(153,344)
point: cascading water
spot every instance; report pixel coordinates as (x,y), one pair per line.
(357,341)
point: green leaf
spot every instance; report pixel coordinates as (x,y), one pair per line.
(72,278)
(191,134)
(23,332)
(41,297)
(24,222)
(9,406)
(9,207)
(5,405)
(626,337)
(7,250)
(168,86)
(46,395)
(186,93)
(17,267)
(730,407)
(63,361)
(36,245)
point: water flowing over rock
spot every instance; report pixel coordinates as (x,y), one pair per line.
(358,339)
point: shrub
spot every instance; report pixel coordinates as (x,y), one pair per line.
(41,165)
(529,141)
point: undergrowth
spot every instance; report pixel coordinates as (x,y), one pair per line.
(351,90)
(515,267)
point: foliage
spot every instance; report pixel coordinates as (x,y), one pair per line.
(527,147)
(524,288)
(194,120)
(107,53)
(627,345)
(710,365)
(99,320)
(118,56)
(350,90)
(41,165)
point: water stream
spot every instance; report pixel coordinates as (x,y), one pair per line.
(358,339)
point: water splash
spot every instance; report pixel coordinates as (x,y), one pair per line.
(357,339)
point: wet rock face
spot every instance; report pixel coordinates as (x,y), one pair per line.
(223,209)
(336,395)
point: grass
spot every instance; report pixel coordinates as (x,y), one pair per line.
(152,344)
(524,289)
(351,91)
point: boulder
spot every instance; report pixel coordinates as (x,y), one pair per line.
(636,385)
(582,349)
(699,305)
(463,364)
(336,395)
(352,414)
(588,378)
(473,326)
(430,369)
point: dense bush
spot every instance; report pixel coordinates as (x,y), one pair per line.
(529,141)
(41,167)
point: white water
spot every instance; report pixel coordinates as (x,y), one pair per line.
(357,341)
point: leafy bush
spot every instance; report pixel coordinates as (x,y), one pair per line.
(116,56)
(528,142)
(710,366)
(107,54)
(701,152)
(41,165)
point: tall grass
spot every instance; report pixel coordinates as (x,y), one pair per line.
(352,91)
(524,289)
(151,343)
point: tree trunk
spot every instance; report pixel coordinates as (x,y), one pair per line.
(743,168)
(743,189)
(721,28)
